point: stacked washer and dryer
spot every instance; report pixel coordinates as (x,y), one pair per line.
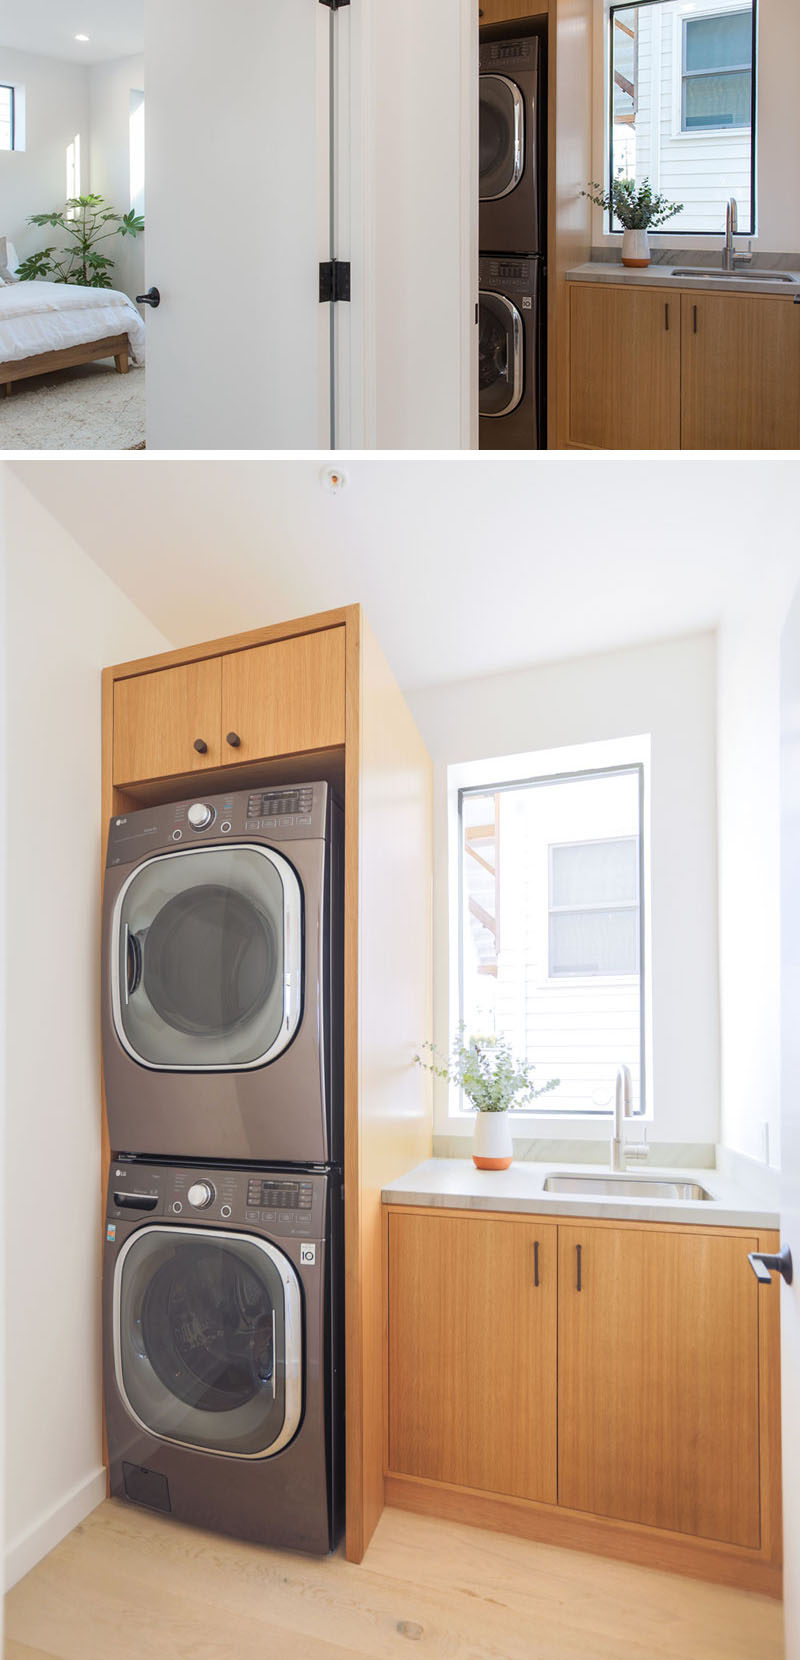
(512,234)
(223,1272)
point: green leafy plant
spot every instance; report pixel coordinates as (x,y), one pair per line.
(634,206)
(486,1071)
(87,221)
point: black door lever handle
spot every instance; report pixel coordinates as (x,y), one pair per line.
(761,1262)
(152,297)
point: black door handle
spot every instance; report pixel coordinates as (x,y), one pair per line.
(152,297)
(761,1262)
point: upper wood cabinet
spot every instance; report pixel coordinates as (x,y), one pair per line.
(472,1352)
(502,11)
(277,699)
(284,697)
(625,368)
(741,372)
(658,1355)
(159,717)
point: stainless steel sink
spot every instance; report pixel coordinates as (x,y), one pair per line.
(712,275)
(625,1187)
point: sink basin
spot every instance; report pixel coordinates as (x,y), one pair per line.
(749,276)
(625,1187)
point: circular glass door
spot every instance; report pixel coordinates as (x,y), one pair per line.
(207,1339)
(207,959)
(500,354)
(501,141)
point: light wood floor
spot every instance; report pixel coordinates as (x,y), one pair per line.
(128,1585)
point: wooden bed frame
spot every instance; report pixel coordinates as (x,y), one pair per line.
(112,345)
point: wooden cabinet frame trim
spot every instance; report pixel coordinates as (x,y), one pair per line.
(347,616)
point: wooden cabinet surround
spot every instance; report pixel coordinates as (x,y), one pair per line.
(607,1385)
(315,699)
(665,368)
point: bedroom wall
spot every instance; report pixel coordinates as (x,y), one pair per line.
(33,180)
(65,619)
(110,87)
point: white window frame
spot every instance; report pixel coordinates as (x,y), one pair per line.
(619,905)
(8,86)
(680,134)
(451,1117)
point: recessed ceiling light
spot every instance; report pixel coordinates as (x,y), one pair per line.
(81,37)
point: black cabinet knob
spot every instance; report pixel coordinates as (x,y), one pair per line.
(201,746)
(233,739)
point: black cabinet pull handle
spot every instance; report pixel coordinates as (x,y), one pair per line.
(152,297)
(233,739)
(694,319)
(762,1261)
(666,315)
(536,1262)
(578,1286)
(201,746)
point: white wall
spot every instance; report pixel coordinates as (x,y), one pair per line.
(65,620)
(669,691)
(778,145)
(34,180)
(110,87)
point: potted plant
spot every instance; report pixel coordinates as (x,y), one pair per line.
(637,210)
(494,1084)
(86,221)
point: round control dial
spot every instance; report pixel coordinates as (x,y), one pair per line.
(199,815)
(200,1194)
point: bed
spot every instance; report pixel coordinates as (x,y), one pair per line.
(50,325)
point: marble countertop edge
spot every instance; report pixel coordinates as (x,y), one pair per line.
(660,276)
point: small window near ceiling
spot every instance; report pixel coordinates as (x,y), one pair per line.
(7,102)
(717,70)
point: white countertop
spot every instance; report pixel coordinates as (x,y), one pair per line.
(660,276)
(456,1183)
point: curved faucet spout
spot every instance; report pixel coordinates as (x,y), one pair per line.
(623,1101)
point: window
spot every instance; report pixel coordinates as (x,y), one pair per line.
(682,107)
(7,102)
(551,907)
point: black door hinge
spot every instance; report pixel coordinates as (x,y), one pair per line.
(334,5)
(334,279)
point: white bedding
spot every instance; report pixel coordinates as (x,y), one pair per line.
(49,316)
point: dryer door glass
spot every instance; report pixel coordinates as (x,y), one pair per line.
(501,368)
(207,959)
(501,136)
(207,1339)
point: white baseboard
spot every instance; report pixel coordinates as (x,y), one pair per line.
(23,1553)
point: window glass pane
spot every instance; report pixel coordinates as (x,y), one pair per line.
(674,122)
(594,873)
(6,116)
(719,42)
(594,942)
(716,101)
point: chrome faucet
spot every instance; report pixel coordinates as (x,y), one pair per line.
(623,1100)
(730,258)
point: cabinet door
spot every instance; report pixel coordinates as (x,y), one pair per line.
(624,368)
(740,372)
(658,1380)
(285,697)
(502,11)
(159,717)
(472,1353)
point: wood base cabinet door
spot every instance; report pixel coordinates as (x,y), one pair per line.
(624,368)
(472,1353)
(282,698)
(741,372)
(167,722)
(658,1380)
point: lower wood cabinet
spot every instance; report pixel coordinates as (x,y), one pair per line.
(624,368)
(613,1385)
(740,372)
(472,1353)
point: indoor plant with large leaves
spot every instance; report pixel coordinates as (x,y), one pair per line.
(87,222)
(494,1084)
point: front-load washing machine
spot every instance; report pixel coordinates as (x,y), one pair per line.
(222,977)
(511,145)
(222,1347)
(510,396)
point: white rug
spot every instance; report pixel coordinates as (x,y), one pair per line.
(89,407)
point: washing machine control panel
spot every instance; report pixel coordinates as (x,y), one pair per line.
(287,1203)
(279,813)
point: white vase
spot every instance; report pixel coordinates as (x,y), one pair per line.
(492,1147)
(635,248)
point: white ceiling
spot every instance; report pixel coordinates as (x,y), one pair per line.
(115,28)
(465,567)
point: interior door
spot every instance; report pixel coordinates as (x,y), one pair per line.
(790,1116)
(238,219)
(658,1379)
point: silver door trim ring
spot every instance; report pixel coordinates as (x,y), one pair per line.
(517,356)
(292,946)
(519,134)
(293,1337)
